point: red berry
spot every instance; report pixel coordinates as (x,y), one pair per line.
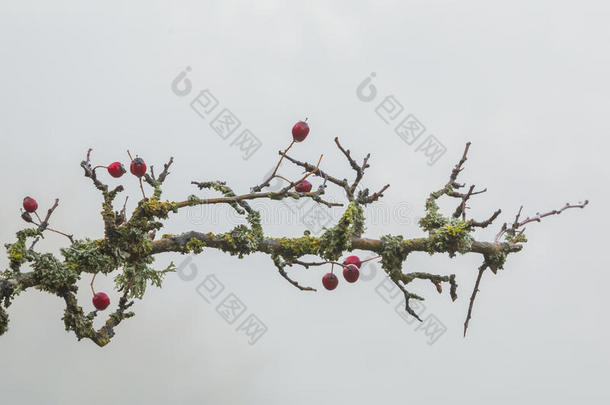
(116,169)
(330,281)
(101,301)
(138,167)
(303,187)
(351,273)
(30,204)
(352,260)
(300,131)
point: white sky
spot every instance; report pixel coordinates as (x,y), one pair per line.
(526,82)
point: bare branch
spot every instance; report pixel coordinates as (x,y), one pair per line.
(44,224)
(458,168)
(473,296)
(537,218)
(451,185)
(347,154)
(487,222)
(280,267)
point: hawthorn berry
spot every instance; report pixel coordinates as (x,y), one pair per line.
(116,169)
(303,187)
(101,301)
(330,281)
(300,131)
(138,167)
(351,273)
(355,260)
(30,204)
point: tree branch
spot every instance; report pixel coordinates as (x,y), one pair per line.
(128,247)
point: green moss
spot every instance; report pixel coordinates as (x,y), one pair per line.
(137,276)
(17,252)
(433,218)
(254,219)
(293,248)
(496,261)
(336,240)
(519,239)
(193,198)
(76,321)
(88,256)
(158,209)
(54,276)
(194,245)
(452,237)
(393,253)
(240,241)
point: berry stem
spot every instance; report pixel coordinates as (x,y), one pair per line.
(100,167)
(283,178)
(142,188)
(370,258)
(92,280)
(37,216)
(130,158)
(281,158)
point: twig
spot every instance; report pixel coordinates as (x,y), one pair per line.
(152,180)
(473,296)
(123,213)
(274,173)
(309,173)
(294,283)
(376,196)
(448,188)
(435,279)
(308,264)
(487,222)
(319,172)
(232,199)
(458,167)
(44,223)
(280,266)
(516,224)
(347,154)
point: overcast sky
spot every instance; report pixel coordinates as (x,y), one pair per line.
(526,82)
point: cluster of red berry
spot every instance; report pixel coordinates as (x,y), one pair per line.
(116,169)
(351,272)
(137,168)
(101,301)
